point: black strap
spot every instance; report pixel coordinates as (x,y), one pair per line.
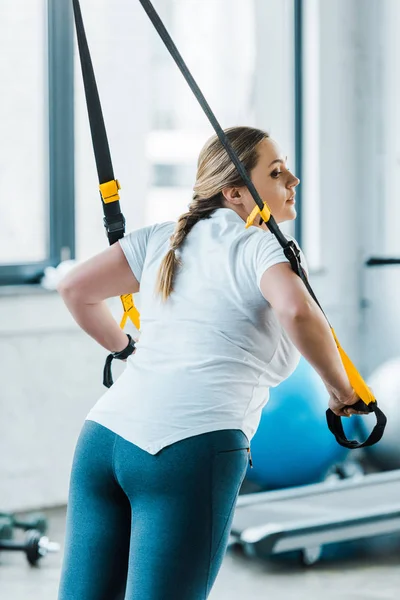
(114,220)
(336,427)
(334,422)
(107,374)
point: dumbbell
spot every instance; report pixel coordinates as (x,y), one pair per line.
(36,521)
(36,546)
(6,528)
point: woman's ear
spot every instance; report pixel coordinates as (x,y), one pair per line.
(233,195)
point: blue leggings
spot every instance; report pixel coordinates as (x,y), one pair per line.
(149,527)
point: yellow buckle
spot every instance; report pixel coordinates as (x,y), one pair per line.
(130,311)
(265,213)
(109,191)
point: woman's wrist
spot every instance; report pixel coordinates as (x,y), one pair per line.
(121,345)
(340,392)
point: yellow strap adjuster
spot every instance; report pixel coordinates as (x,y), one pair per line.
(130,311)
(356,381)
(109,191)
(265,213)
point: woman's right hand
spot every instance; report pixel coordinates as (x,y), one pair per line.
(341,403)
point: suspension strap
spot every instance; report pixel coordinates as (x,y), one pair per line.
(114,220)
(367,399)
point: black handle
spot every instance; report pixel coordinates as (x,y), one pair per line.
(336,427)
(107,374)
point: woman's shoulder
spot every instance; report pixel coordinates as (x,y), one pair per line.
(154,228)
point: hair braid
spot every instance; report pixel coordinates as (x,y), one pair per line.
(198,209)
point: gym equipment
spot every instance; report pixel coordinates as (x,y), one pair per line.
(36,521)
(282,455)
(305,519)
(385,381)
(6,528)
(115,222)
(36,546)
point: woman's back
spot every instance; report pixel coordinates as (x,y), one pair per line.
(208,355)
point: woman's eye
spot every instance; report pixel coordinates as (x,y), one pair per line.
(275,174)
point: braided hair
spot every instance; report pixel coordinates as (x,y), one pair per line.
(215,171)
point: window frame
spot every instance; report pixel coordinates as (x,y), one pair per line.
(60,165)
(298,119)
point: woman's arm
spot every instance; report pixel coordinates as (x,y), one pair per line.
(85,288)
(308,329)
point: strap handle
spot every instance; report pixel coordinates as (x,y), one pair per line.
(336,426)
(107,374)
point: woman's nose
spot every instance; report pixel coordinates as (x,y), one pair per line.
(294,181)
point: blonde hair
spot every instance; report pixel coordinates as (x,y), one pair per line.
(215,171)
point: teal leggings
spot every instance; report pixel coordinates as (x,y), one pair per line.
(149,527)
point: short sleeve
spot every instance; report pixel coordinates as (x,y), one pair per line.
(134,246)
(269,252)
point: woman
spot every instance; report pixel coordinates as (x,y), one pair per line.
(162,455)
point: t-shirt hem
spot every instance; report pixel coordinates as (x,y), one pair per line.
(153,448)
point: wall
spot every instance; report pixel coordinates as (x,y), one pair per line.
(380,182)
(51,372)
(51,375)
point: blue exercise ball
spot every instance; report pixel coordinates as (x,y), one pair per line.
(293,445)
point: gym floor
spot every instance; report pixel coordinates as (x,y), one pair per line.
(370,573)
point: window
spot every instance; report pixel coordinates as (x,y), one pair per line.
(32,153)
(310,138)
(24,130)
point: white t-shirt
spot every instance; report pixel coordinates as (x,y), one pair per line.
(206,357)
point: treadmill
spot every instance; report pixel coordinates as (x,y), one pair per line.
(307,518)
